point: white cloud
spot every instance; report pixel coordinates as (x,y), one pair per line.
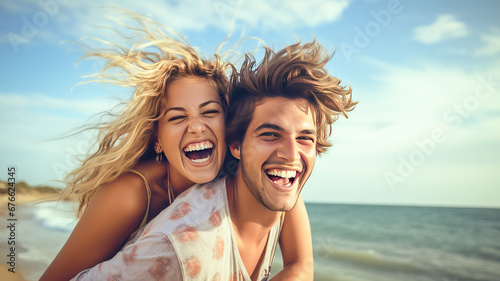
(37,118)
(444,28)
(491,45)
(276,15)
(33,124)
(15,6)
(79,18)
(41,103)
(455,51)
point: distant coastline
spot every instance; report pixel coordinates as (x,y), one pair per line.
(389,205)
(25,193)
(23,187)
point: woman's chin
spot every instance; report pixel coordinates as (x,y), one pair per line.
(202,172)
(203,177)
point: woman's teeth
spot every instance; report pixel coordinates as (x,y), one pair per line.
(199,152)
(198,146)
(200,160)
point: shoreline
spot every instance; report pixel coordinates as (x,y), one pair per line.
(25,270)
(23,198)
(10,276)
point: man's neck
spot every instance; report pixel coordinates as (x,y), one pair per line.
(251,220)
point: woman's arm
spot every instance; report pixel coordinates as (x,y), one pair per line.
(296,245)
(111,216)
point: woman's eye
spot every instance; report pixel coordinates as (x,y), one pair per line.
(211,112)
(176,118)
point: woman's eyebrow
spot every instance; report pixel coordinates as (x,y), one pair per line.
(178,108)
(174,108)
(209,102)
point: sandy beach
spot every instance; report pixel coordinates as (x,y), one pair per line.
(18,274)
(24,194)
(25,199)
(21,199)
(9,276)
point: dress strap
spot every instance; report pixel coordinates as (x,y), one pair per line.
(148,191)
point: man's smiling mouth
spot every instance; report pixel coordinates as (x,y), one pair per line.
(199,152)
(282,177)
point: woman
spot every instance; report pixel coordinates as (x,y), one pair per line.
(169,136)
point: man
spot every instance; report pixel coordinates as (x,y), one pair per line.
(280,117)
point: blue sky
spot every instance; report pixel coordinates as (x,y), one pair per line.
(425,74)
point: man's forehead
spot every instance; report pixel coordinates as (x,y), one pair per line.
(299,103)
(281,110)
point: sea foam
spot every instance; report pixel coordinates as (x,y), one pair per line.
(58,216)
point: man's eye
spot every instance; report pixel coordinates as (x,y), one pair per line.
(269,135)
(306,138)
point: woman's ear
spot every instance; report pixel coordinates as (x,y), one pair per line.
(158,148)
(154,137)
(235,150)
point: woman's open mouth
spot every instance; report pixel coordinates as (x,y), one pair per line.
(199,152)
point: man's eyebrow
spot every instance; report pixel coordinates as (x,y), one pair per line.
(269,126)
(280,129)
(308,132)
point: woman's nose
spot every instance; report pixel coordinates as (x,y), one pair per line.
(196,125)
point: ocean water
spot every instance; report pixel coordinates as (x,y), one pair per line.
(41,231)
(351,242)
(388,243)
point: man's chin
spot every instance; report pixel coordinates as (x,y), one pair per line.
(281,206)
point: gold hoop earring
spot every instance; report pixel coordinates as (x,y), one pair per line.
(159,154)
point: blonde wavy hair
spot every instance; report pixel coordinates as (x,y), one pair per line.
(152,60)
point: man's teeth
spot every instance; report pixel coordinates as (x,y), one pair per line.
(198,146)
(282,173)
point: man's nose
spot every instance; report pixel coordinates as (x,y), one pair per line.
(289,150)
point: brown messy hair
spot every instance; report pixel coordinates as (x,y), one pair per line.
(297,71)
(147,62)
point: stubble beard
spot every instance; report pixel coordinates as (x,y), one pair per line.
(257,191)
